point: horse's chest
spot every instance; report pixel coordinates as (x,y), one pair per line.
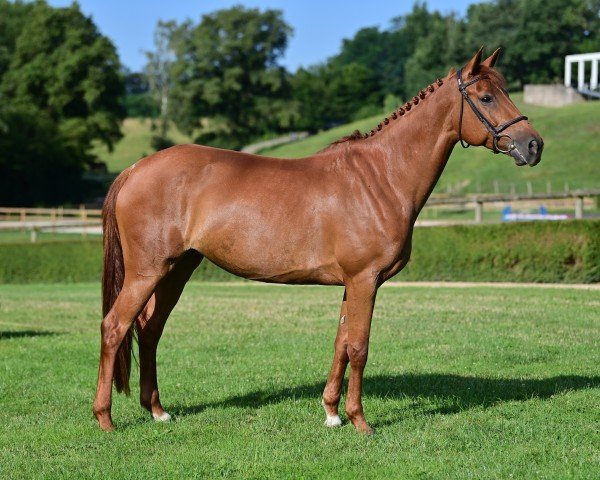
(397,253)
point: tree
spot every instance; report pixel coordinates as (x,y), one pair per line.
(158,73)
(65,89)
(534,46)
(227,83)
(382,52)
(435,53)
(13,17)
(138,101)
(344,92)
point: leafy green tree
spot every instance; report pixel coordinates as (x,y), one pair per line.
(13,16)
(344,92)
(65,89)
(535,35)
(382,52)
(158,74)
(435,53)
(388,54)
(227,83)
(138,101)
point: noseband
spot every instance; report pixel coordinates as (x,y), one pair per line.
(495,131)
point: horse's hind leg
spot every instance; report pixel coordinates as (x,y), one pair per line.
(133,296)
(150,327)
(333,389)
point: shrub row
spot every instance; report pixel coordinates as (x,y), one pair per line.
(553,252)
(566,252)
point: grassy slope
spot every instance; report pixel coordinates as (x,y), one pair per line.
(571,153)
(134,145)
(474,383)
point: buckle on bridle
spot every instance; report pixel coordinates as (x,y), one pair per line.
(511,144)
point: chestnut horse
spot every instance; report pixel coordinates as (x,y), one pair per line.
(343,216)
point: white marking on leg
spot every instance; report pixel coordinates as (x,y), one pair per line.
(163,417)
(333,421)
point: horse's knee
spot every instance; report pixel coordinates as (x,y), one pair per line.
(358,353)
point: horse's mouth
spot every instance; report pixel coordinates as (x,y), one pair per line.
(520,159)
(532,155)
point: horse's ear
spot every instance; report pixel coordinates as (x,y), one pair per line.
(472,67)
(491,60)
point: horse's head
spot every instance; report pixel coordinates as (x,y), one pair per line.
(489,117)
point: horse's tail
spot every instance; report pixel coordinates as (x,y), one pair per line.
(112,280)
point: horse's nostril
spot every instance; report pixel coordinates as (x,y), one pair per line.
(533,147)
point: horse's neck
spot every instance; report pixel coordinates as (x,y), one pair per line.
(418,145)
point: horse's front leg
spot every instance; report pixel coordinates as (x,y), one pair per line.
(333,389)
(361,292)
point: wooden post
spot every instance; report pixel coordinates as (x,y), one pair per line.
(33,236)
(22,217)
(83,214)
(478,211)
(53,219)
(579,207)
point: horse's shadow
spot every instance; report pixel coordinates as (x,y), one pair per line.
(6,334)
(433,393)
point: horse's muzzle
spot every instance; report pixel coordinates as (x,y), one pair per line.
(527,151)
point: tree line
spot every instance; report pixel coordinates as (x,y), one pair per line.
(221,80)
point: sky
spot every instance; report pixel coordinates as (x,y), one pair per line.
(319,26)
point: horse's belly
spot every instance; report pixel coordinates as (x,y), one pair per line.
(265,252)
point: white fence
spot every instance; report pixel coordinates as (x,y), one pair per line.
(581,60)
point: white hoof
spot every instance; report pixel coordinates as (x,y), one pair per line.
(163,417)
(333,421)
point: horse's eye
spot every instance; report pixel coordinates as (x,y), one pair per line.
(486,99)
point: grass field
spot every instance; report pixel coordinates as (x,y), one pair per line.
(461,383)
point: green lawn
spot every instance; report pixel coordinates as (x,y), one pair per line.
(17,236)
(461,383)
(570,156)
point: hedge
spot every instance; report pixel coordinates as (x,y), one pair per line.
(567,252)
(553,252)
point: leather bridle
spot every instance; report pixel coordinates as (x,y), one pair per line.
(496,131)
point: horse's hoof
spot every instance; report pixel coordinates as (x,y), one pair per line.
(162,417)
(333,421)
(365,430)
(106,425)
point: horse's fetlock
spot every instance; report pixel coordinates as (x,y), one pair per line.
(331,399)
(354,411)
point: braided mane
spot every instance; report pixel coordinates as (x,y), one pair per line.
(400,111)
